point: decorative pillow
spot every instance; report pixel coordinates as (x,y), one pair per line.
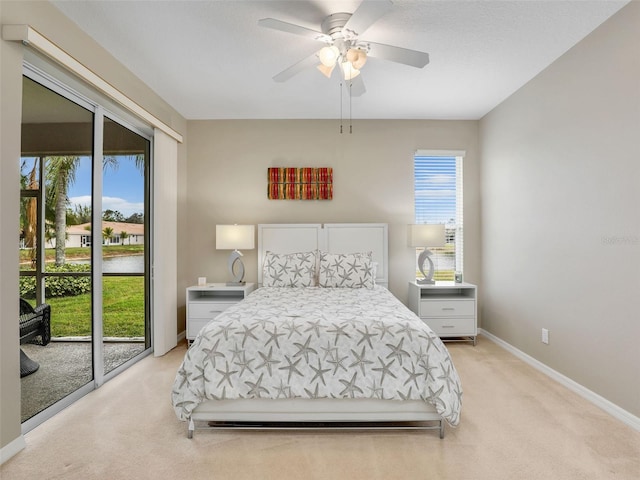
(290,270)
(346,270)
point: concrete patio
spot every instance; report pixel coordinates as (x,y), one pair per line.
(65,366)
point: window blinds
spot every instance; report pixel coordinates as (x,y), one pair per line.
(439,197)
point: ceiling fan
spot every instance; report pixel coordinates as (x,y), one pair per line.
(344,47)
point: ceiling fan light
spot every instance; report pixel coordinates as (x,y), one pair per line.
(328,55)
(357,57)
(349,72)
(361,60)
(326,70)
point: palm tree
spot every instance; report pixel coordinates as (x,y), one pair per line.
(29,206)
(107,233)
(124,235)
(60,175)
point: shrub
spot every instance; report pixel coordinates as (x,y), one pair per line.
(59,286)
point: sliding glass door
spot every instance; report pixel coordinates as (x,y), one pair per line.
(125,328)
(84,252)
(57,145)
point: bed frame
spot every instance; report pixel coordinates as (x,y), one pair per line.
(319,413)
(330,237)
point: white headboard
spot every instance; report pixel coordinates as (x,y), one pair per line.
(330,237)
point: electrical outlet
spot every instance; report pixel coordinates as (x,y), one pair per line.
(545,336)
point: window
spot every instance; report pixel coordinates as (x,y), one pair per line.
(438,199)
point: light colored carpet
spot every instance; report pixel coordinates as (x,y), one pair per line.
(65,367)
(517,424)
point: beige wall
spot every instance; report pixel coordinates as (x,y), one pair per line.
(51,23)
(559,181)
(560,222)
(10,113)
(373,182)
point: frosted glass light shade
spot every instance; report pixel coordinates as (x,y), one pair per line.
(328,55)
(235,237)
(326,71)
(348,71)
(357,57)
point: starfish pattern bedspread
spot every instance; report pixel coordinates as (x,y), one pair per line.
(318,342)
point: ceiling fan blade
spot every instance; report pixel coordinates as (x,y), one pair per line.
(357,86)
(413,58)
(296,68)
(292,28)
(366,14)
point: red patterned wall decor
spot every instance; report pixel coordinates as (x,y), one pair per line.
(300,183)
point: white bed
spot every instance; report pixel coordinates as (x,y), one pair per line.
(211,403)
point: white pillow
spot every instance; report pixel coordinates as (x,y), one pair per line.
(290,270)
(346,270)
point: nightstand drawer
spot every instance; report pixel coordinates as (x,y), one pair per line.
(447,308)
(206,302)
(194,326)
(207,310)
(452,326)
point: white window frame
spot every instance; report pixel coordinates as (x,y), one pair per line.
(459,212)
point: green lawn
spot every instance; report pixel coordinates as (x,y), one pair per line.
(123,299)
(123,310)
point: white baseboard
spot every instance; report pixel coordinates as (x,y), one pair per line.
(11,449)
(182,335)
(600,402)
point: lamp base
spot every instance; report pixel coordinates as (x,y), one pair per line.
(425,258)
(236,268)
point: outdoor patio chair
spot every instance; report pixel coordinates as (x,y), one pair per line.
(35,323)
(35,327)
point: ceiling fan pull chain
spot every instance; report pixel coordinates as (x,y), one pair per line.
(340,107)
(350,116)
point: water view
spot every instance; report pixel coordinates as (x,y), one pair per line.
(121,264)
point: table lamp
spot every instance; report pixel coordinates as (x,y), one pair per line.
(426,235)
(235,237)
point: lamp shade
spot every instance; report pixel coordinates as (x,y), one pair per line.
(235,237)
(357,57)
(426,235)
(329,55)
(326,71)
(349,72)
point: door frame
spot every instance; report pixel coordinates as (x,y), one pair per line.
(99,111)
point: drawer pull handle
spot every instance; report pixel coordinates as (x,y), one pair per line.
(448,308)
(448,326)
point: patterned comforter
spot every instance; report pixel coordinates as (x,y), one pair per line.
(314,343)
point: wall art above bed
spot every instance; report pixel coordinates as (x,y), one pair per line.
(300,183)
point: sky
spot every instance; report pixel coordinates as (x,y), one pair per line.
(435,189)
(123,189)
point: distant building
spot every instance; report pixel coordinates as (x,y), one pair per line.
(80,235)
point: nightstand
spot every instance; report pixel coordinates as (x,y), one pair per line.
(206,302)
(450,309)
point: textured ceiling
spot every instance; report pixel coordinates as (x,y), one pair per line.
(210,59)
